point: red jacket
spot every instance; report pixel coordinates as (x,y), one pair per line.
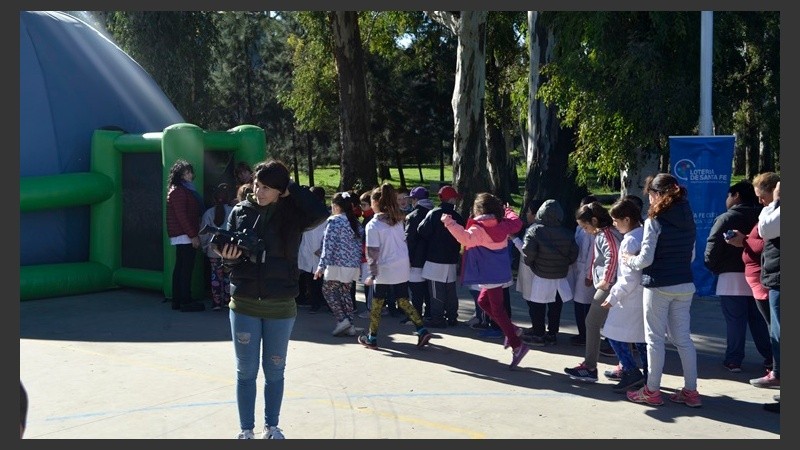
(183,212)
(753,246)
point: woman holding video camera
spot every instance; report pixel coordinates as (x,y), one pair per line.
(264,285)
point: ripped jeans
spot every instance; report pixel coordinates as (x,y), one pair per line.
(266,341)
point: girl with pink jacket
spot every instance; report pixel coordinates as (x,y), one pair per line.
(487,262)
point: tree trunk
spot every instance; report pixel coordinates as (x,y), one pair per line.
(469,146)
(384,172)
(496,148)
(497,162)
(511,164)
(632,178)
(357,161)
(310,158)
(399,159)
(295,161)
(549,144)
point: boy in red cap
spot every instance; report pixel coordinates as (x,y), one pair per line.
(441,260)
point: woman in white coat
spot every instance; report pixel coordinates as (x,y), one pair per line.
(625,322)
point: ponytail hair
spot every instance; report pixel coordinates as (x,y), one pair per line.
(222,197)
(345,201)
(594,210)
(669,192)
(386,196)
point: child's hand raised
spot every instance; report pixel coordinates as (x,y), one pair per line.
(447,219)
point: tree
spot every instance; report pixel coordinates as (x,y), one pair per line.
(620,79)
(312,94)
(185,40)
(504,54)
(469,144)
(409,60)
(358,161)
(548,175)
(746,87)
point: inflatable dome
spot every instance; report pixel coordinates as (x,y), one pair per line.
(73,81)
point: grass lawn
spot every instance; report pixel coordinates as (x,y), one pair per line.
(328,178)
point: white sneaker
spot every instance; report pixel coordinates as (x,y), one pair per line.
(246,434)
(353,331)
(341,327)
(272,433)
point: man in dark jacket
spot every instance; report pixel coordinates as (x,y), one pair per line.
(736,298)
(441,260)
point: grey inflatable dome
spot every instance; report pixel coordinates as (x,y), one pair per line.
(73,81)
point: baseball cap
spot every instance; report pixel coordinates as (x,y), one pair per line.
(418,193)
(448,192)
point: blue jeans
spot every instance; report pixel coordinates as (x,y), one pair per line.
(623,351)
(775,329)
(266,341)
(740,311)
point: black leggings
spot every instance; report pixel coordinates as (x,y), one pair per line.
(537,313)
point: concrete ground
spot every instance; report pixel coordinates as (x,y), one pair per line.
(123,365)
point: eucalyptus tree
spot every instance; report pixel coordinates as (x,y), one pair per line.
(625,81)
(506,59)
(548,173)
(469,145)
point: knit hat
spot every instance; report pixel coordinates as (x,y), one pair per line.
(419,193)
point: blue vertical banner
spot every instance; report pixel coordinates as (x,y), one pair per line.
(703,164)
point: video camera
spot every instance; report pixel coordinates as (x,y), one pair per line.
(246,240)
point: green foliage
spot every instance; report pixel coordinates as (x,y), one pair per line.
(624,80)
(174,47)
(620,78)
(313,96)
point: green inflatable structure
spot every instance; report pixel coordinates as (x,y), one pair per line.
(101,189)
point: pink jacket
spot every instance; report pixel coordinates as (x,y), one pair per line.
(485,230)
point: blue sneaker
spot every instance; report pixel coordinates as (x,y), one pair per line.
(368,341)
(491,333)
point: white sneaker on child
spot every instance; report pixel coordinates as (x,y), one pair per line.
(352,331)
(341,327)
